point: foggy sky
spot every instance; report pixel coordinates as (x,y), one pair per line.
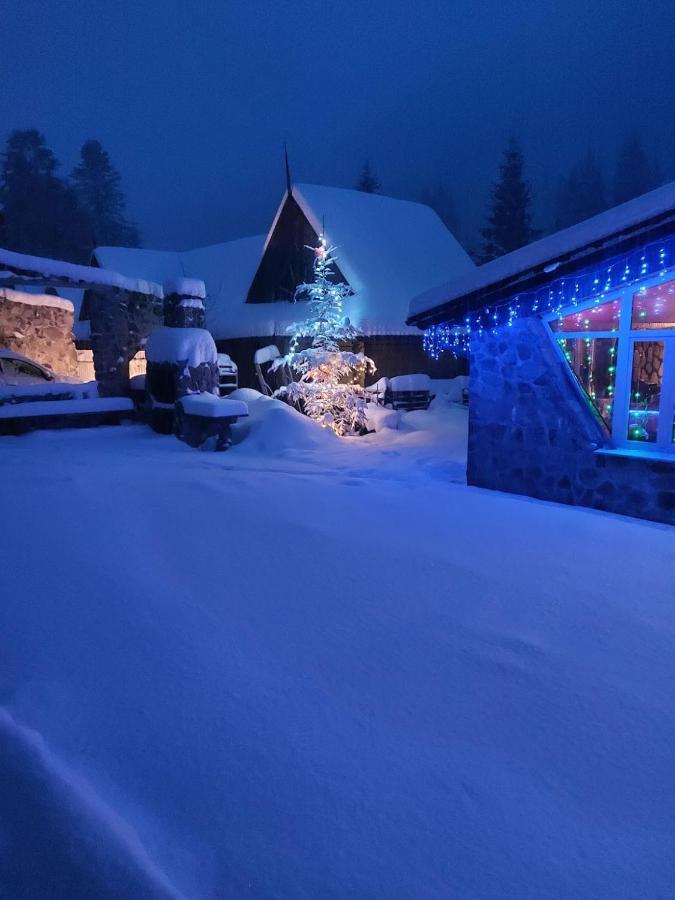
(193,100)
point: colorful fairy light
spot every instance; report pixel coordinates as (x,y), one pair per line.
(596,284)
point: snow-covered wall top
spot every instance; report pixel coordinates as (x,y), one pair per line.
(16,267)
(562,243)
(36,299)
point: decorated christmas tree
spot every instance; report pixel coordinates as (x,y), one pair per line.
(326,385)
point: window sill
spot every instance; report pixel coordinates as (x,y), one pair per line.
(630,453)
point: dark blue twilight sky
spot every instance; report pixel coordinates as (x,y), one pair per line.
(194,99)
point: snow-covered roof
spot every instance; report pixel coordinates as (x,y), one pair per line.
(226,269)
(389,250)
(543,254)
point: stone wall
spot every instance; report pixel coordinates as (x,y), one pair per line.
(532,431)
(40,327)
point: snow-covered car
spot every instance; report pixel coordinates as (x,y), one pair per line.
(16,370)
(228,375)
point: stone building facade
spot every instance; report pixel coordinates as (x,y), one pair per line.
(572,361)
(39,326)
(532,431)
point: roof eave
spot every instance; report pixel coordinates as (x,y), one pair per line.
(537,276)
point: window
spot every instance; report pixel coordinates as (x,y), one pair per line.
(604,317)
(645,391)
(654,307)
(626,372)
(593,361)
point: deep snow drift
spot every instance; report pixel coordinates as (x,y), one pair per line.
(313,667)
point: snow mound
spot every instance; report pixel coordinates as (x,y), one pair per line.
(180,344)
(247,395)
(379,417)
(61,829)
(273,426)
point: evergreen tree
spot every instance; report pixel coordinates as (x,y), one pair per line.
(635,174)
(368,181)
(326,386)
(509,224)
(582,194)
(440,200)
(41,212)
(98,186)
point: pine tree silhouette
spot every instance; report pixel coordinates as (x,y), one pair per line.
(41,212)
(635,174)
(509,223)
(582,194)
(98,186)
(368,181)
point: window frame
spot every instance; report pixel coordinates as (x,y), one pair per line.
(627,337)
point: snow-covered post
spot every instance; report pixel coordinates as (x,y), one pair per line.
(327,386)
(181,354)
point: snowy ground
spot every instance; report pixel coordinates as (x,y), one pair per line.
(319,668)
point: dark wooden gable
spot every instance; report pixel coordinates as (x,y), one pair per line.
(286,262)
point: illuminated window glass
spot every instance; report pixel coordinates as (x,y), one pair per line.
(654,307)
(622,353)
(593,361)
(604,317)
(645,391)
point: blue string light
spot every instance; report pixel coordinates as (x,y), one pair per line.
(597,284)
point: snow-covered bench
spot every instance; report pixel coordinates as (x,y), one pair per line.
(201,417)
(55,391)
(20,418)
(409,392)
(377,392)
(402,392)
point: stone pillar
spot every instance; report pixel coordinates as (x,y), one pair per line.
(181,354)
(120,321)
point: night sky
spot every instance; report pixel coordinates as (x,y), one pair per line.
(193,100)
